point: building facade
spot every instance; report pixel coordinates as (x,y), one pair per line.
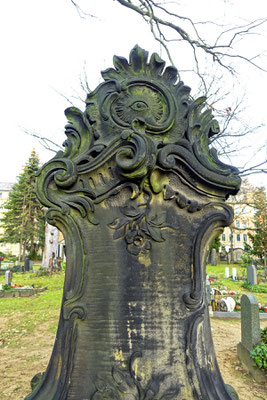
(236,236)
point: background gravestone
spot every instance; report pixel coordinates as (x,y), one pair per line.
(213,257)
(250,335)
(8,277)
(139,197)
(252,274)
(27,264)
(250,321)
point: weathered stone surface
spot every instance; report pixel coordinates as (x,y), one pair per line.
(250,335)
(213,257)
(139,197)
(250,321)
(249,364)
(252,274)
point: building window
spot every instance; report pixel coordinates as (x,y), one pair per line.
(245,237)
(237,223)
(238,237)
(223,237)
(244,225)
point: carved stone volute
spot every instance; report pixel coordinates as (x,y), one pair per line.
(139,196)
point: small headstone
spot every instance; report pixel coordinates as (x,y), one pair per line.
(234,274)
(250,321)
(26,264)
(226,272)
(213,257)
(250,335)
(8,277)
(252,274)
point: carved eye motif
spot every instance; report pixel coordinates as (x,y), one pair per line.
(139,101)
(139,106)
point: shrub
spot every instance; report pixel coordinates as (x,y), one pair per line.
(6,287)
(264,335)
(259,355)
(255,288)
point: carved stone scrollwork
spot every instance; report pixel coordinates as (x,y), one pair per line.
(138,195)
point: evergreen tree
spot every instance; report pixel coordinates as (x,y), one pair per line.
(23,221)
(259,238)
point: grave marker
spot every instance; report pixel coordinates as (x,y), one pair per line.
(137,194)
(213,257)
(8,277)
(234,275)
(250,335)
(252,274)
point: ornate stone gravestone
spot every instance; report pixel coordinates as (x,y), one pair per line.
(139,196)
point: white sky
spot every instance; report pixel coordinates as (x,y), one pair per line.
(44,45)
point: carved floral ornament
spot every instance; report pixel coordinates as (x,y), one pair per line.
(139,125)
(126,385)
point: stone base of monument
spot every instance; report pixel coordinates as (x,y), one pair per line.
(249,365)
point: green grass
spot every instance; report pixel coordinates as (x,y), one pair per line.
(26,313)
(219,271)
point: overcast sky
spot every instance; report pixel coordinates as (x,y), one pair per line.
(45,47)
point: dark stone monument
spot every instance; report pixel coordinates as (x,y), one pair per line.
(252,274)
(27,264)
(139,197)
(250,335)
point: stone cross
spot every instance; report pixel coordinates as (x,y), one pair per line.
(8,277)
(252,274)
(137,194)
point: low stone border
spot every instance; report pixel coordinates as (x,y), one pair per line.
(21,292)
(232,315)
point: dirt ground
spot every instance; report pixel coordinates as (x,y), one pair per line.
(18,366)
(226,335)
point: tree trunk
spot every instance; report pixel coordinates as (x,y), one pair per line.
(24,251)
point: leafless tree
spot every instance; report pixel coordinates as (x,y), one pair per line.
(168,25)
(171,28)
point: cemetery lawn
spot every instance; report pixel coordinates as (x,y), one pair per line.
(219,271)
(28,327)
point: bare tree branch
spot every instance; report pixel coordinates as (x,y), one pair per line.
(44,141)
